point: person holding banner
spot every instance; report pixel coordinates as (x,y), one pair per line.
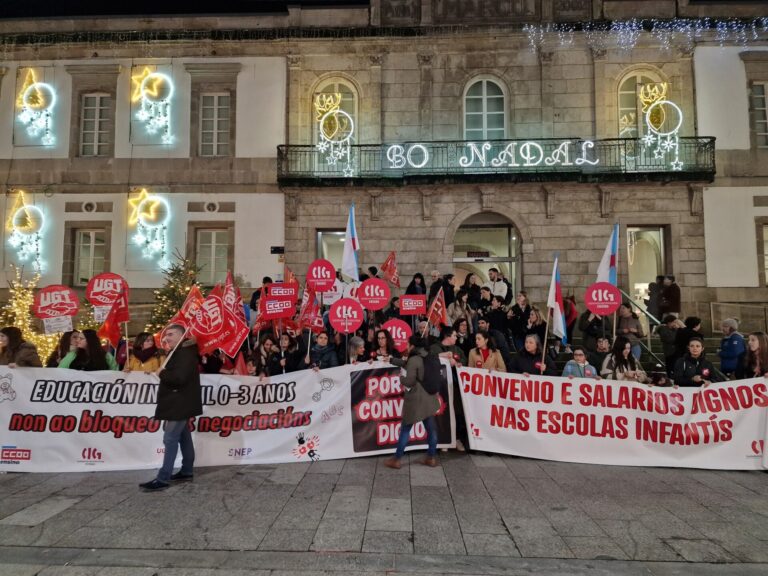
(694,369)
(579,366)
(323,355)
(385,346)
(17,352)
(530,359)
(179,398)
(621,364)
(418,405)
(486,354)
(287,359)
(87,354)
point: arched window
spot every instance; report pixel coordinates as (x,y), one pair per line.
(485,115)
(636,92)
(341,96)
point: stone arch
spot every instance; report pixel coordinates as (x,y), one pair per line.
(514,217)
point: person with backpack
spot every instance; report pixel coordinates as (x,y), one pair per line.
(423,377)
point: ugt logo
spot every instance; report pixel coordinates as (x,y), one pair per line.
(209,316)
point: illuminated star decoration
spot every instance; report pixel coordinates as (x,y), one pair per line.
(150,214)
(26,223)
(154,92)
(336,130)
(36,101)
(660,141)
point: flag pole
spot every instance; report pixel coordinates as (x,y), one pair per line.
(544,344)
(127,347)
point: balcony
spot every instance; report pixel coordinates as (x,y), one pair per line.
(664,158)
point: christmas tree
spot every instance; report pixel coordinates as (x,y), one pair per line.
(179,279)
(17,312)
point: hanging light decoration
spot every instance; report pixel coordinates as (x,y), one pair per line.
(36,101)
(150,215)
(335,132)
(153,91)
(25,224)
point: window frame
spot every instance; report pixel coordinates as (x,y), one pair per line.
(194,227)
(752,114)
(98,124)
(216,143)
(505,113)
(638,74)
(70,255)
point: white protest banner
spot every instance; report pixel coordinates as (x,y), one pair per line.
(55,420)
(722,426)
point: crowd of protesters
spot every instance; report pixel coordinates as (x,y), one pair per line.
(489,326)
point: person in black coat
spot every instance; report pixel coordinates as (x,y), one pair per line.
(323,354)
(528,360)
(288,359)
(179,398)
(693,369)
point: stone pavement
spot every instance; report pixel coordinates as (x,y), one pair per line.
(473,515)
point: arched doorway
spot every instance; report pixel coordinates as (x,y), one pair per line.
(484,241)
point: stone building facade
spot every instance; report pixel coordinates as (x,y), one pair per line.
(412,72)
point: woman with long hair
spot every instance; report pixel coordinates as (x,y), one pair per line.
(417,285)
(15,351)
(472,287)
(385,345)
(62,349)
(536,325)
(630,328)
(288,357)
(485,354)
(464,338)
(87,354)
(756,358)
(145,357)
(460,308)
(693,369)
(621,364)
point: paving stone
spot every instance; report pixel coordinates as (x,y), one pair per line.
(348,500)
(437,535)
(388,542)
(637,541)
(70,571)
(572,522)
(700,550)
(432,501)
(736,540)
(39,512)
(339,534)
(288,540)
(390,514)
(20,569)
(600,548)
(326,467)
(490,545)
(536,537)
(426,476)
(667,525)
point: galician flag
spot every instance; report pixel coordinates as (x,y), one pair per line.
(555,302)
(349,264)
(606,272)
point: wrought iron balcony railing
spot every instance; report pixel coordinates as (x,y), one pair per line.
(612,160)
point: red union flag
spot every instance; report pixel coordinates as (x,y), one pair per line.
(310,315)
(118,313)
(55,301)
(232,298)
(188,310)
(103,289)
(413,304)
(438,315)
(214,326)
(389,269)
